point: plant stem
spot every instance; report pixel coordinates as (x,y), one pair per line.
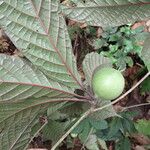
(133,106)
(125,94)
(92,110)
(69,131)
(45,123)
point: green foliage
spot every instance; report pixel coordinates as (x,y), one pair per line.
(119,44)
(143,126)
(145,86)
(54,130)
(123,144)
(73,30)
(48,73)
(84,128)
(119,128)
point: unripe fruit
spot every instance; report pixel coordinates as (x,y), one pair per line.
(107,83)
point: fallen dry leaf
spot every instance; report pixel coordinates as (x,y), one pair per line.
(139,148)
(141,139)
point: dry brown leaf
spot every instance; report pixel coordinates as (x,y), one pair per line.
(141,139)
(139,148)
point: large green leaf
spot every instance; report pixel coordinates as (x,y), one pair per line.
(109,13)
(39,31)
(19,79)
(17,119)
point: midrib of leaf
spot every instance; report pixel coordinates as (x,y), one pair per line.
(19,74)
(51,41)
(44,87)
(12,72)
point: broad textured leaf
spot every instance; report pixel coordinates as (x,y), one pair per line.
(146,53)
(17,136)
(17,119)
(109,13)
(91,62)
(19,79)
(39,30)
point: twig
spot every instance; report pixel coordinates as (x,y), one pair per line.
(133,106)
(92,110)
(69,131)
(45,123)
(125,94)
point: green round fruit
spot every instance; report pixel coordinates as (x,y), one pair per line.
(107,83)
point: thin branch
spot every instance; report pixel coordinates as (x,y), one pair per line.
(92,110)
(125,94)
(70,130)
(36,133)
(133,106)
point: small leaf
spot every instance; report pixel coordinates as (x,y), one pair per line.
(115,126)
(98,43)
(123,144)
(145,86)
(85,133)
(129,61)
(98,125)
(128,126)
(81,126)
(143,126)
